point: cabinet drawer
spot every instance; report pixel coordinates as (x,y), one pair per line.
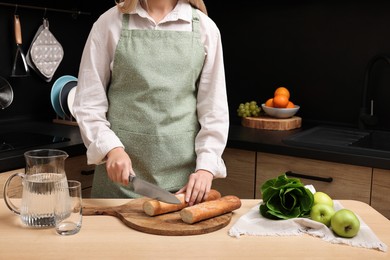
(240,178)
(76,168)
(348,181)
(380,189)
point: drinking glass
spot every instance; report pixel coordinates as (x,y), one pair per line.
(68,210)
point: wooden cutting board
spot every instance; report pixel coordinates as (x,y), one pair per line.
(132,215)
(270,123)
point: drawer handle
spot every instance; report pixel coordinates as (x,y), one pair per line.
(310,177)
(89,172)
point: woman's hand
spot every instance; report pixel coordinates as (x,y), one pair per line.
(119,166)
(198,187)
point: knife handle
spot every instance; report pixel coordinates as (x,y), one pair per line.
(18,30)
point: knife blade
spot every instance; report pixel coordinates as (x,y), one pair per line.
(150,190)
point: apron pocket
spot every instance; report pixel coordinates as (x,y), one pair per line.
(165,160)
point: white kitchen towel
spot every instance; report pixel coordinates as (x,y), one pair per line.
(253,223)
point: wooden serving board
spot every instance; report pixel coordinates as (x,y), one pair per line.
(170,224)
(270,123)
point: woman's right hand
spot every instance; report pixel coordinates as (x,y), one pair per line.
(119,166)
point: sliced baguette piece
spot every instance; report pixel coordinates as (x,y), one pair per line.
(155,207)
(210,209)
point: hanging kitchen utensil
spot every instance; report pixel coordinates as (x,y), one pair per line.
(45,53)
(6,93)
(19,69)
(28,55)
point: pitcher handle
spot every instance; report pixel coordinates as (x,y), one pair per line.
(7,200)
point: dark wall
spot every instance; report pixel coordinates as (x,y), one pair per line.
(32,94)
(318,49)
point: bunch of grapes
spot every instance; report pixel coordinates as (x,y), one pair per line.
(248,109)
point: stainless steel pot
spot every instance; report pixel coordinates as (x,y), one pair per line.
(6,93)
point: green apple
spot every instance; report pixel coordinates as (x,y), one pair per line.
(345,223)
(322,198)
(322,213)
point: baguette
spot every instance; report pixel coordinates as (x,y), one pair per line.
(155,207)
(209,209)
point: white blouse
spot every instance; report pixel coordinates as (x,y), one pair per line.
(91,104)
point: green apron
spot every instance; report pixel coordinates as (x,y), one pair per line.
(152,106)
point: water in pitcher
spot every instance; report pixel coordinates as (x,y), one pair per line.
(40,196)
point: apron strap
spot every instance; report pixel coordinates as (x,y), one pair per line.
(125,21)
(195,22)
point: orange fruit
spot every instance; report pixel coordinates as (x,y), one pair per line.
(282,91)
(290,105)
(270,102)
(281,101)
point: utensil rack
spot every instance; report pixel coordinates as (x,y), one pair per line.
(74,13)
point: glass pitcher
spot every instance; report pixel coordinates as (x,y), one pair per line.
(44,175)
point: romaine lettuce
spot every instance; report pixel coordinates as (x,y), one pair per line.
(285,198)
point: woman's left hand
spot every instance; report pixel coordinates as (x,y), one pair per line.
(198,187)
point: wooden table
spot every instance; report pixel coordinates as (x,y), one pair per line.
(105,237)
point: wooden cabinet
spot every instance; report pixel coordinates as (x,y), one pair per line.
(380,199)
(347,181)
(241,174)
(248,170)
(76,168)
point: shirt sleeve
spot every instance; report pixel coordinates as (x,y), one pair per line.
(91,103)
(212,105)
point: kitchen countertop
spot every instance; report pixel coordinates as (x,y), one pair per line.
(271,141)
(106,237)
(240,137)
(10,160)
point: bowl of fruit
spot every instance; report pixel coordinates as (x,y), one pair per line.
(280,112)
(280,106)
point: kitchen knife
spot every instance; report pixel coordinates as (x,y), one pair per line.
(150,190)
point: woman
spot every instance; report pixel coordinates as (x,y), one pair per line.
(151,98)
